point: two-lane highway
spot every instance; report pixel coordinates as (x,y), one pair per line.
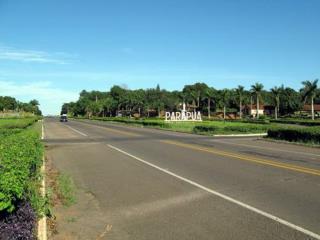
(153,184)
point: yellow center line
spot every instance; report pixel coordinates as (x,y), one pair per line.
(245,158)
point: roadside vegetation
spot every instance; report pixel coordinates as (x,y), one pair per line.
(205,127)
(225,111)
(66,190)
(10,106)
(238,103)
(308,135)
(21,154)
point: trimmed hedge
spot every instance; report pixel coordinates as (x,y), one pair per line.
(306,135)
(205,129)
(303,122)
(246,129)
(153,123)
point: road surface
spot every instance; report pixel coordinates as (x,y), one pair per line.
(139,183)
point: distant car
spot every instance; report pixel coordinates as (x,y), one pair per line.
(63,118)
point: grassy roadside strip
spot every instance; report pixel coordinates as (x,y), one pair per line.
(203,128)
(21,154)
(310,135)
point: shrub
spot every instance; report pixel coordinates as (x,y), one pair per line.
(20,161)
(303,122)
(246,128)
(205,129)
(16,122)
(306,135)
(19,224)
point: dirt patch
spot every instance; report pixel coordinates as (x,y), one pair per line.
(82,220)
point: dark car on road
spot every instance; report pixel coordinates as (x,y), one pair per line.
(63,118)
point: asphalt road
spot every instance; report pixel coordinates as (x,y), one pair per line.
(138,183)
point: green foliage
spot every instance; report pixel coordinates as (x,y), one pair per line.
(303,122)
(305,135)
(11,104)
(14,123)
(20,161)
(120,101)
(204,128)
(253,128)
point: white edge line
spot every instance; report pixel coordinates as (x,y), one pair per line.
(77,131)
(42,223)
(42,130)
(244,205)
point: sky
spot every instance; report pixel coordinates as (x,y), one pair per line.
(51,50)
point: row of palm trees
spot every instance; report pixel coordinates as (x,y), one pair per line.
(308,91)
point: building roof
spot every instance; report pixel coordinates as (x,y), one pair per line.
(307,107)
(254,107)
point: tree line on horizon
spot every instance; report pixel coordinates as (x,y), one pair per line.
(199,96)
(8,104)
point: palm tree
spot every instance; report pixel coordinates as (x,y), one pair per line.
(208,95)
(240,93)
(310,91)
(276,94)
(223,100)
(256,89)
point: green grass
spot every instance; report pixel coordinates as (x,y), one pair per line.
(12,123)
(66,190)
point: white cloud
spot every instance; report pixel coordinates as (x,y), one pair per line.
(22,55)
(50,98)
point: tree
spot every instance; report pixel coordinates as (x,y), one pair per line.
(276,92)
(223,100)
(193,93)
(94,108)
(8,103)
(208,95)
(118,94)
(310,91)
(107,104)
(240,93)
(256,89)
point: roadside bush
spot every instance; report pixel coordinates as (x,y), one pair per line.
(306,135)
(19,224)
(20,161)
(13,123)
(247,128)
(303,122)
(8,132)
(251,120)
(205,129)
